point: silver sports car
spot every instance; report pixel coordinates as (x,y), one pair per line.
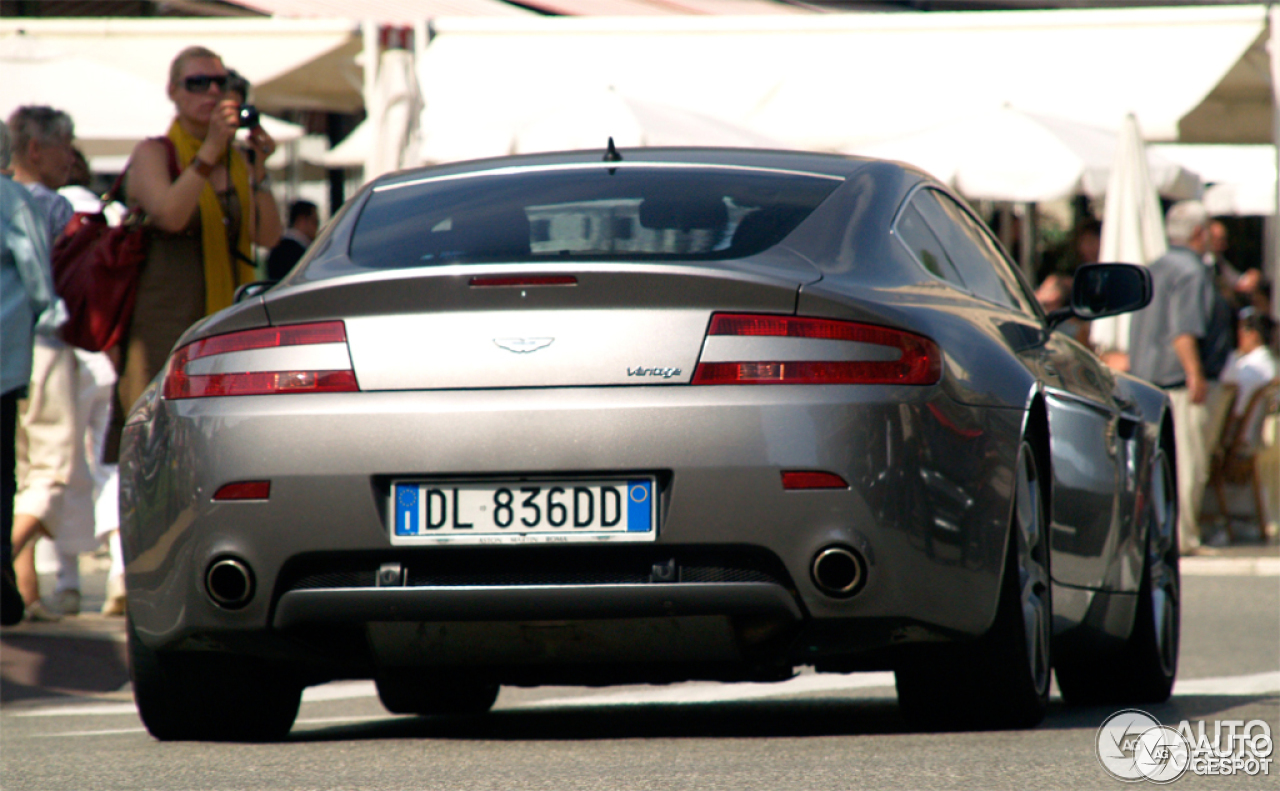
(645,417)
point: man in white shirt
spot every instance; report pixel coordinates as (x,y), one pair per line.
(1251,365)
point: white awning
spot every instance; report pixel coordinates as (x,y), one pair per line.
(108,122)
(1242,179)
(292,63)
(665,7)
(838,81)
(403,12)
(1009,155)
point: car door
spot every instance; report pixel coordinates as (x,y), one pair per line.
(1088,444)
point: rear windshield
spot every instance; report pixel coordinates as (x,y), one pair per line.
(598,212)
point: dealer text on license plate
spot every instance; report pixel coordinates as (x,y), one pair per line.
(523,512)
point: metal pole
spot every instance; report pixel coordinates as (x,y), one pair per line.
(370,59)
(1271,264)
(1027,242)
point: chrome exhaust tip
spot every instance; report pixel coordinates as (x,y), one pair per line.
(229,582)
(839,571)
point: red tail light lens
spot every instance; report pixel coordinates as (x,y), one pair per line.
(523,281)
(244,490)
(179,383)
(808,479)
(904,357)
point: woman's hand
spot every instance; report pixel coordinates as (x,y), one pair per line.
(222,128)
(263,144)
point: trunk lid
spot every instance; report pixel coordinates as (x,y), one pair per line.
(451,328)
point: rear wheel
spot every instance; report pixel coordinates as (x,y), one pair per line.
(1002,679)
(210,697)
(1143,670)
(406,692)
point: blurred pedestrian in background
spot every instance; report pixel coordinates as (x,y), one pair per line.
(55,487)
(1251,364)
(93,403)
(1220,305)
(78,189)
(1058,273)
(1164,349)
(207,214)
(27,307)
(304,223)
(1236,285)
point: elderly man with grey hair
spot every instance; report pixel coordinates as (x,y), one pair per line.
(27,306)
(1164,344)
(55,487)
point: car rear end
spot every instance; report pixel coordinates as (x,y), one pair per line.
(587,442)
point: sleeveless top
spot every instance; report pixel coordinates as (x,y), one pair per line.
(170,299)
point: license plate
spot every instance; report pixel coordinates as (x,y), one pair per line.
(523,512)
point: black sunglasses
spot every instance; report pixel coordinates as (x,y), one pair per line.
(200,83)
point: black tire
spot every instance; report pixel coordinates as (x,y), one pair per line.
(210,697)
(416,692)
(1000,680)
(1144,668)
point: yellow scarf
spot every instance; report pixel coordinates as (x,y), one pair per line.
(221,274)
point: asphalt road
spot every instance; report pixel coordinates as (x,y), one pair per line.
(68,723)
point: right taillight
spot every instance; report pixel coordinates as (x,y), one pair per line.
(295,358)
(768,349)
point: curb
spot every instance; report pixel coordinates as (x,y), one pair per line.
(1230,567)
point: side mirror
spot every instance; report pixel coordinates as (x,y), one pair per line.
(252,290)
(1101,290)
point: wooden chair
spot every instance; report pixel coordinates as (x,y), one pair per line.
(1235,460)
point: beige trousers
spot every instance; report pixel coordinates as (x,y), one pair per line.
(1190,422)
(54,480)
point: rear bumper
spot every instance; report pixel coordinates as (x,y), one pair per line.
(927,506)
(577,602)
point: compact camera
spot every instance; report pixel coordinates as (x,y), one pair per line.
(249,116)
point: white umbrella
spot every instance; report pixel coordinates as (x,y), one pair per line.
(112,109)
(1006,154)
(1243,177)
(388,138)
(1132,225)
(394,114)
(588,120)
(1253,198)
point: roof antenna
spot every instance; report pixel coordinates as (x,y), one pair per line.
(611,155)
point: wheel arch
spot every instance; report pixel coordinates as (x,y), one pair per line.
(1036,428)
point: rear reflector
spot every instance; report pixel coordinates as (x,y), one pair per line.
(523,281)
(244,490)
(806,479)
(875,355)
(249,378)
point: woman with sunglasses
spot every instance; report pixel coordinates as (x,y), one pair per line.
(208,205)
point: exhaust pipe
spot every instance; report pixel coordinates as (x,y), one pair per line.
(839,571)
(229,583)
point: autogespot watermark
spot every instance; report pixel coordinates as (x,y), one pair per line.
(1132,745)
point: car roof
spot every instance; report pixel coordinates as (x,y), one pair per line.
(837,165)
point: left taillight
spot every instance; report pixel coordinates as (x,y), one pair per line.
(295,358)
(769,349)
